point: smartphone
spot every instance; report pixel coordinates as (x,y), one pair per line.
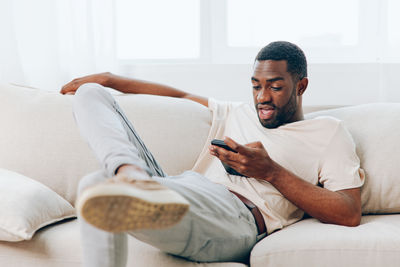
(221,143)
(228,169)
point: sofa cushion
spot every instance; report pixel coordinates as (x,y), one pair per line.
(376,242)
(40,138)
(59,246)
(375,130)
(26,206)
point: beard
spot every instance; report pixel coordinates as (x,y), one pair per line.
(282,115)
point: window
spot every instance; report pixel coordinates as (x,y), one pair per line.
(311,23)
(157,29)
(393,23)
(232,31)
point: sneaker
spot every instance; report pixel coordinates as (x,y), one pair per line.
(119,206)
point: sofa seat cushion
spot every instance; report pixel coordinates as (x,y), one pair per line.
(59,245)
(56,245)
(375,130)
(376,242)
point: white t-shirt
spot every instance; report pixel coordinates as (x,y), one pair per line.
(319,150)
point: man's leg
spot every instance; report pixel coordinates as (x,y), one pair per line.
(100,248)
(217,227)
(114,142)
(110,135)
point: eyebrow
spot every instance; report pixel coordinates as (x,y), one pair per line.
(269,80)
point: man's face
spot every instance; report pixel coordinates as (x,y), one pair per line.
(275,93)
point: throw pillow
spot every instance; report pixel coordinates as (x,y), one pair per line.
(27,205)
(375,130)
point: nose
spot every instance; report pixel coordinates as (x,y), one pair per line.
(264,95)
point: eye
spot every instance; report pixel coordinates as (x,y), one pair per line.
(276,88)
(256,87)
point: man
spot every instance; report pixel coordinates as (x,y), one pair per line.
(289,166)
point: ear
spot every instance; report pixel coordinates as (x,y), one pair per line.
(302,86)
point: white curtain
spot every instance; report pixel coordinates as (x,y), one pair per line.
(46,43)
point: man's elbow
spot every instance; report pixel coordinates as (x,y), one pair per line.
(351,207)
(354,220)
(346,219)
(351,220)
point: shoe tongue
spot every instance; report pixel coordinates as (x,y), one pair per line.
(146,184)
(130,176)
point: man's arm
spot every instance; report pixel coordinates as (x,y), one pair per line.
(130,86)
(341,207)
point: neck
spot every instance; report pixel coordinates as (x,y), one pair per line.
(298,116)
(299,113)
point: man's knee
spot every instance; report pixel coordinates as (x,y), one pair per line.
(91,179)
(91,92)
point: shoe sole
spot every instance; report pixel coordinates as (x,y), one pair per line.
(121,208)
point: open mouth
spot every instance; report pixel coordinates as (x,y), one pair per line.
(265,112)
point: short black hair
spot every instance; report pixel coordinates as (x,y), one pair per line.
(282,50)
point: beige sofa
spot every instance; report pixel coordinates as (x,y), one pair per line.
(39,140)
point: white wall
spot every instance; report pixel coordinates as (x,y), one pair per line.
(337,84)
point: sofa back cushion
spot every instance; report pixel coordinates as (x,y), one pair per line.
(375,129)
(39,137)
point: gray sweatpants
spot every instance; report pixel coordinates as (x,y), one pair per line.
(217,227)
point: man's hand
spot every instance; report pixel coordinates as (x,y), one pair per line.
(100,78)
(251,160)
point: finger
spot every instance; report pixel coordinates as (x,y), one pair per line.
(212,150)
(230,142)
(231,162)
(66,88)
(63,90)
(68,92)
(230,158)
(236,146)
(216,151)
(234,164)
(222,154)
(255,145)
(72,86)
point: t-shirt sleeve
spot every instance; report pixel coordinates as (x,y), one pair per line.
(340,165)
(220,112)
(221,109)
